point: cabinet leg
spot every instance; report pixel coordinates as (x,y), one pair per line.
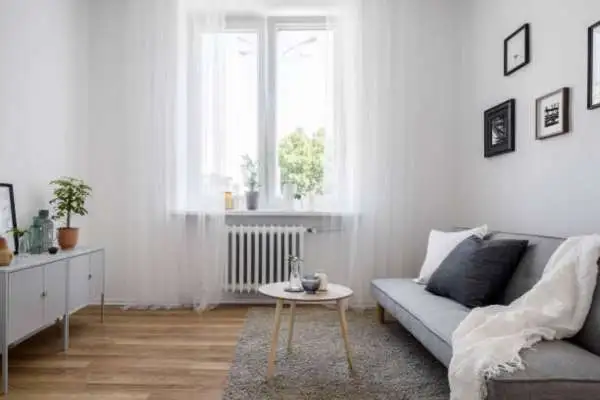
(102,308)
(4,369)
(66,332)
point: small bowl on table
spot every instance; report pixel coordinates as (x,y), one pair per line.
(311,283)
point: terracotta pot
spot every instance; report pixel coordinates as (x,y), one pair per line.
(6,255)
(67,238)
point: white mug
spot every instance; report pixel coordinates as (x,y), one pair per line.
(323,284)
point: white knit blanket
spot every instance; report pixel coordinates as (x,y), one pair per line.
(488,341)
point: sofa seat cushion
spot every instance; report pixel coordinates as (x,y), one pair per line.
(430,318)
(553,370)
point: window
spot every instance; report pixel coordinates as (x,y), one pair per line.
(279,92)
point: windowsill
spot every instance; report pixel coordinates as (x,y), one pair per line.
(283,213)
(271,213)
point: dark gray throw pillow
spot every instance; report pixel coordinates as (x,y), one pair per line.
(476,272)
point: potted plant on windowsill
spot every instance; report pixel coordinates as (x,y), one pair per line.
(69,199)
(250,170)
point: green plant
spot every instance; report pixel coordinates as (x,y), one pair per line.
(69,198)
(17,232)
(302,161)
(250,169)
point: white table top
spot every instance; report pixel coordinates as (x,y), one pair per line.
(33,260)
(334,292)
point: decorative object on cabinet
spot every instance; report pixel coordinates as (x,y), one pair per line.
(516,50)
(593,90)
(6,254)
(499,129)
(552,114)
(250,172)
(47,229)
(36,237)
(69,199)
(22,236)
(36,291)
(8,214)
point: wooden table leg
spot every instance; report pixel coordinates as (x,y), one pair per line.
(344,327)
(275,335)
(292,317)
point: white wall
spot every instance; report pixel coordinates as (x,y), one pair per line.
(549,187)
(43,96)
(426,56)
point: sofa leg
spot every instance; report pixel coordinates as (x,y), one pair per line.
(380,314)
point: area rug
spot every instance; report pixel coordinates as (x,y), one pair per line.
(388,362)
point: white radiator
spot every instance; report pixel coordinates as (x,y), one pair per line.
(259,255)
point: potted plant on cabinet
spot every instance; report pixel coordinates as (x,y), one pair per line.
(250,170)
(69,199)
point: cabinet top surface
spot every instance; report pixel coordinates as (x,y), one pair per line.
(33,260)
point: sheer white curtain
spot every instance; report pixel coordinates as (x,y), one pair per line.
(365,241)
(155,156)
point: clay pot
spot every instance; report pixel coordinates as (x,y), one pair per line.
(67,238)
(6,255)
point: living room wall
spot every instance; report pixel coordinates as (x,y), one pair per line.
(548,187)
(43,97)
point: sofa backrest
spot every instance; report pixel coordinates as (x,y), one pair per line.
(530,270)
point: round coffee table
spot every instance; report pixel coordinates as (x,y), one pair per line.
(334,293)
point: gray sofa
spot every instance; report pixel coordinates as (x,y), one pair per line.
(562,369)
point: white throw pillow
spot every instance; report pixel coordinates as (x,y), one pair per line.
(440,245)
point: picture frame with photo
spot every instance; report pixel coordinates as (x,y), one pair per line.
(8,215)
(499,129)
(517,50)
(593,89)
(552,114)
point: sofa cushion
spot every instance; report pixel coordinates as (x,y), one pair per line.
(554,370)
(430,318)
(476,272)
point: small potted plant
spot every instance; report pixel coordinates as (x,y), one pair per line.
(250,169)
(22,241)
(69,199)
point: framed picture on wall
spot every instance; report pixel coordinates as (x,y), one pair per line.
(8,215)
(516,50)
(499,129)
(552,114)
(594,66)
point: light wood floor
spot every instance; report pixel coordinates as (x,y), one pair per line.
(134,355)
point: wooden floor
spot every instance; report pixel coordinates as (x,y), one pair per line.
(134,355)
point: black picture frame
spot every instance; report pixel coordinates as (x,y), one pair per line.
(499,129)
(564,109)
(527,50)
(13,212)
(590,86)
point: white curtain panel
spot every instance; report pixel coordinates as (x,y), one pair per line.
(370,162)
(158,205)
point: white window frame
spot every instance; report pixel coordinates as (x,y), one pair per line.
(267,29)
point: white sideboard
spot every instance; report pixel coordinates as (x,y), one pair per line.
(36,290)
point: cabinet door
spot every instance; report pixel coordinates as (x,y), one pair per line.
(96,277)
(26,302)
(79,287)
(55,284)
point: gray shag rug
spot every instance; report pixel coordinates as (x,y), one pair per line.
(388,362)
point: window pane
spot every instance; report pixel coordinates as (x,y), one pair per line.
(241,101)
(304,107)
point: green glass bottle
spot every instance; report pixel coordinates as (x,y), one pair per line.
(36,236)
